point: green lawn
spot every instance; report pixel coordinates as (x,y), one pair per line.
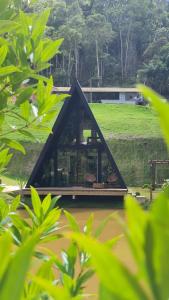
(126,121)
(116,120)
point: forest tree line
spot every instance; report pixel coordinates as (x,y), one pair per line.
(110,42)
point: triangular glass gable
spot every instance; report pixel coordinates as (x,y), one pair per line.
(76,154)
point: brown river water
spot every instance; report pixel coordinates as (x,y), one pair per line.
(111,230)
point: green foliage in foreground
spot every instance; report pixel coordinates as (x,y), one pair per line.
(22,241)
(146,232)
(26,100)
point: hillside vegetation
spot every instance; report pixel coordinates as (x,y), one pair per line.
(110,43)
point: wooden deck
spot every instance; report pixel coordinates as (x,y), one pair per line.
(77,191)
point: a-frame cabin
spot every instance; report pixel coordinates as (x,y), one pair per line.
(76,160)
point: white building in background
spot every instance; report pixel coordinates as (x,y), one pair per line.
(105,94)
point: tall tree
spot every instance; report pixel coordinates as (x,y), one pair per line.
(109,42)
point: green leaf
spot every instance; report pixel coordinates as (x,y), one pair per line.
(42,66)
(3,53)
(16,235)
(39,26)
(112,242)
(51,220)
(69,257)
(149,256)
(161,107)
(49,237)
(72,221)
(105,294)
(4,210)
(38,77)
(15,145)
(57,293)
(40,92)
(8,26)
(27,134)
(18,222)
(36,202)
(24,95)
(50,116)
(50,50)
(160,227)
(46,204)
(33,217)
(113,275)
(54,200)
(45,272)
(5,157)
(4,71)
(83,279)
(17,269)
(135,230)
(5,250)
(15,203)
(68,282)
(42,129)
(25,110)
(2,118)
(102,225)
(24,23)
(46,100)
(89,224)
(4,98)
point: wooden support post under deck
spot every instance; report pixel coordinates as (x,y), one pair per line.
(153,174)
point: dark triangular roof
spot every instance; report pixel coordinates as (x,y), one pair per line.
(75,92)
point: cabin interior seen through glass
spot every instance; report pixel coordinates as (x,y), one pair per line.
(78,156)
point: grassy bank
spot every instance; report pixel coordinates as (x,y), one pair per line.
(115,120)
(131,155)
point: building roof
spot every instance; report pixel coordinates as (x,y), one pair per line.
(99,90)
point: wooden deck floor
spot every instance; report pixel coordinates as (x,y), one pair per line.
(77,191)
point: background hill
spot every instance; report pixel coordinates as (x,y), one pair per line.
(110,43)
